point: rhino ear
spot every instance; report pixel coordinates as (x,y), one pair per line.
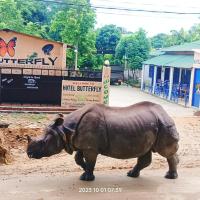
(59,120)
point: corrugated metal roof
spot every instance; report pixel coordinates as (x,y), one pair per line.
(180,61)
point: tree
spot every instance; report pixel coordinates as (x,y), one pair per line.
(194,33)
(10,16)
(135,47)
(36,17)
(32,11)
(159,41)
(25,16)
(174,38)
(177,37)
(75,25)
(108,38)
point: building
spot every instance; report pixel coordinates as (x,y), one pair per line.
(33,71)
(174,74)
(19,50)
(30,68)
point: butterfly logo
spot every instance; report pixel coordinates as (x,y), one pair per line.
(47,49)
(7,47)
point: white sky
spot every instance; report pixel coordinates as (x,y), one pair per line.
(153,23)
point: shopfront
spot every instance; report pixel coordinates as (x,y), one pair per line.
(33,71)
(174,75)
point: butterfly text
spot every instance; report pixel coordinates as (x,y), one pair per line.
(34,61)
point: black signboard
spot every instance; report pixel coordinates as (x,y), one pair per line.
(31,89)
(39,89)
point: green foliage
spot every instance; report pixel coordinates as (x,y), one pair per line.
(69,24)
(75,26)
(33,11)
(194,33)
(135,47)
(133,82)
(24,16)
(159,41)
(10,16)
(176,37)
(108,38)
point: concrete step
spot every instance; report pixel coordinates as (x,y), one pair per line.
(10,108)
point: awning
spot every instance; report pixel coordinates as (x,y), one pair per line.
(179,61)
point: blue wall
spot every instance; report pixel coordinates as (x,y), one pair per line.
(196,90)
(176,75)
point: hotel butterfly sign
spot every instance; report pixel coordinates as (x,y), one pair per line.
(8,49)
(19,50)
(76,94)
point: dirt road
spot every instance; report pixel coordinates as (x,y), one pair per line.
(57,177)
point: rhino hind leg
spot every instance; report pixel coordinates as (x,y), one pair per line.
(168,150)
(90,161)
(172,162)
(142,162)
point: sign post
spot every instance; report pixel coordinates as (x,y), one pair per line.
(105,85)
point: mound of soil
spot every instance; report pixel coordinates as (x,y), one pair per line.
(14,138)
(5,156)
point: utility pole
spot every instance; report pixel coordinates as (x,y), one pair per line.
(126,64)
(76,57)
(125,61)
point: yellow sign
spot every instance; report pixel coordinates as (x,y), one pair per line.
(76,94)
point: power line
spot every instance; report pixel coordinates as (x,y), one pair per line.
(137,15)
(149,11)
(147,4)
(122,9)
(119,8)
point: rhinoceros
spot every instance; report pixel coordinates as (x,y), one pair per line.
(118,132)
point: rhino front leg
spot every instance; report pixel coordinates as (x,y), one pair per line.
(79,159)
(172,162)
(90,161)
(142,162)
